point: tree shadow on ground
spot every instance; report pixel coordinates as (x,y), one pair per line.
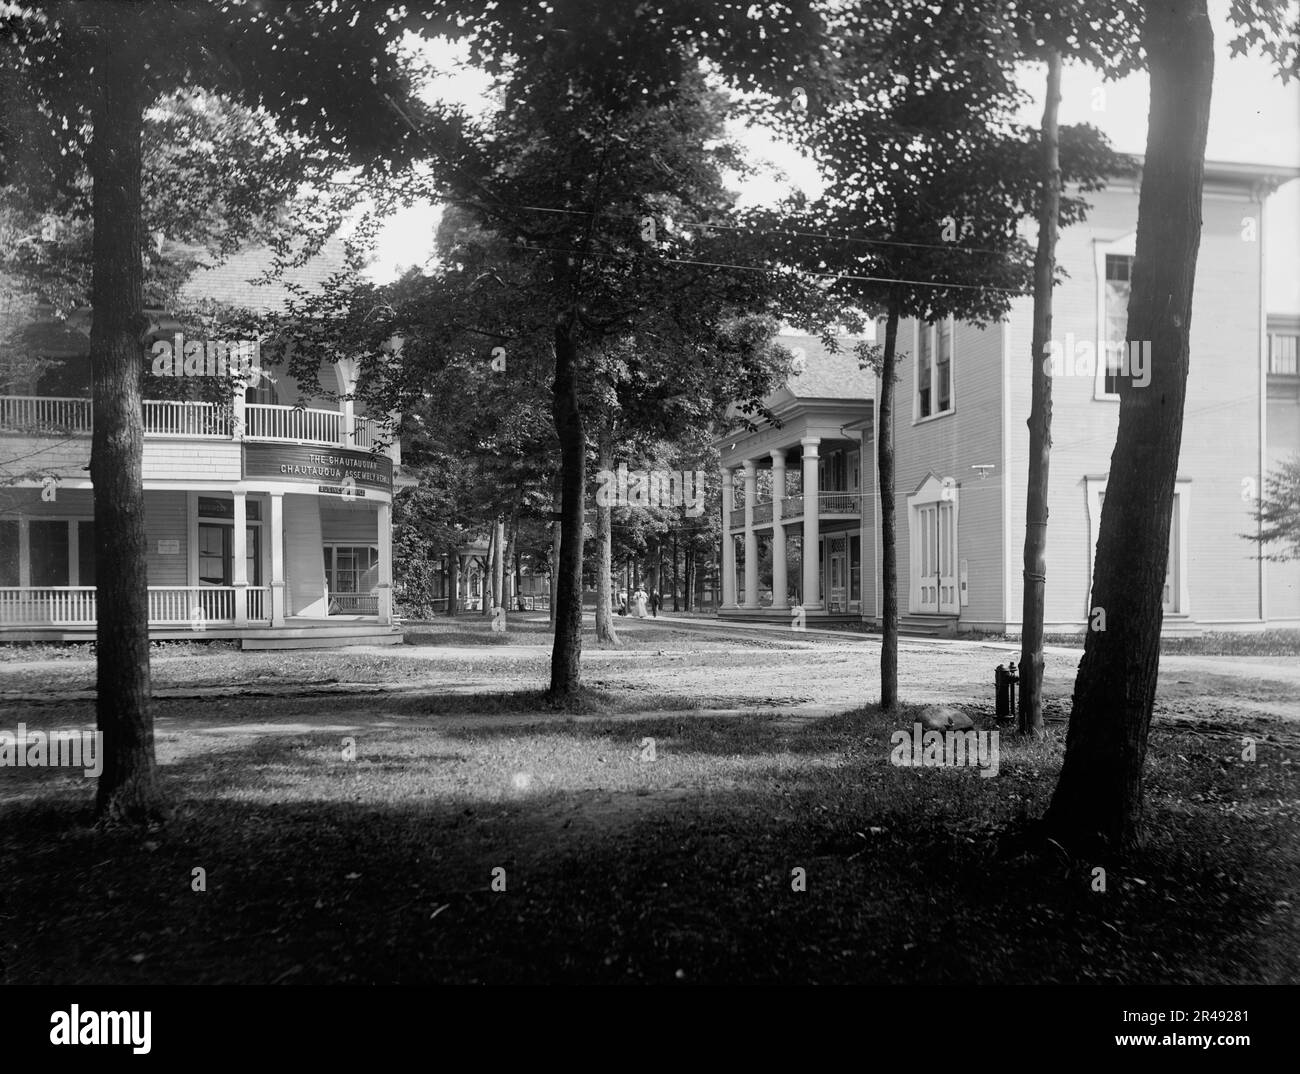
(320,872)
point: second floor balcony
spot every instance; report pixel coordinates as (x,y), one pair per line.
(45,417)
(830,504)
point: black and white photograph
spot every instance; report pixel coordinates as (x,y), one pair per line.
(648,493)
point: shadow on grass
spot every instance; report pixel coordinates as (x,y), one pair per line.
(381,870)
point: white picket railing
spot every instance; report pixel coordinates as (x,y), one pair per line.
(168,418)
(47,605)
(262,421)
(259,604)
(48,416)
(37,415)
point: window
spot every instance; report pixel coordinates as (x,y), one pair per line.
(1175,593)
(923,372)
(1119,273)
(214,554)
(85,553)
(934,369)
(942,368)
(48,550)
(9,553)
(1283,354)
(351,568)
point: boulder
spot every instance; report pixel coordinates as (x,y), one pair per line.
(942,718)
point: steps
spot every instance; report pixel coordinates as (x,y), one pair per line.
(928,626)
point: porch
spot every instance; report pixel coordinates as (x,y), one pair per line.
(68,613)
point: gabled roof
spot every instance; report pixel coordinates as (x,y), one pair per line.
(232,282)
(826,374)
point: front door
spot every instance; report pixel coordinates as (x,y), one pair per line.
(839,568)
(934,570)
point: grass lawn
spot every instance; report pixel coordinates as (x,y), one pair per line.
(619,868)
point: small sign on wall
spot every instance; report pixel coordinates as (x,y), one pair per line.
(169,548)
(963,577)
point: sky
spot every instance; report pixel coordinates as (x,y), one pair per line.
(1253,119)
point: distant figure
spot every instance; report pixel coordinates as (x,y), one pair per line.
(638,602)
(622,602)
(655,601)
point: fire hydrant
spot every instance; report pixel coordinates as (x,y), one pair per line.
(1005,681)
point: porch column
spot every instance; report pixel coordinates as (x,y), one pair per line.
(779,584)
(386,563)
(751,538)
(728,545)
(238,411)
(239,552)
(277,559)
(811,525)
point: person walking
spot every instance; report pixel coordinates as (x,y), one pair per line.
(638,602)
(655,601)
(622,602)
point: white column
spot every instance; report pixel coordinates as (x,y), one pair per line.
(385,563)
(277,559)
(779,583)
(811,525)
(239,412)
(751,538)
(728,545)
(239,552)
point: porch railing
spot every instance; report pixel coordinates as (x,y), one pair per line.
(839,503)
(737,517)
(192,606)
(164,417)
(57,416)
(763,512)
(354,604)
(56,605)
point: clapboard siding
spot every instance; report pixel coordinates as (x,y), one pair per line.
(949,446)
(64,458)
(1221,432)
(167,519)
(304,562)
(1282,580)
(349,523)
(200,460)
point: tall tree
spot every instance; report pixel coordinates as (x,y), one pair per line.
(80,79)
(1098,802)
(927,181)
(1040,414)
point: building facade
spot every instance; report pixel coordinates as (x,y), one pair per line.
(961,447)
(267,512)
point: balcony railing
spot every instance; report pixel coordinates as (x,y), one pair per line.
(762,512)
(737,517)
(196,607)
(792,506)
(839,503)
(41,416)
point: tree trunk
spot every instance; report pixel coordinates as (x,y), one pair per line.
(888,525)
(1040,419)
(489,571)
(566,654)
(555,554)
(676,577)
(499,599)
(1097,804)
(453,594)
(508,565)
(128,788)
(688,566)
(605,632)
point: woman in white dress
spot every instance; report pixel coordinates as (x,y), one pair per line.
(638,600)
